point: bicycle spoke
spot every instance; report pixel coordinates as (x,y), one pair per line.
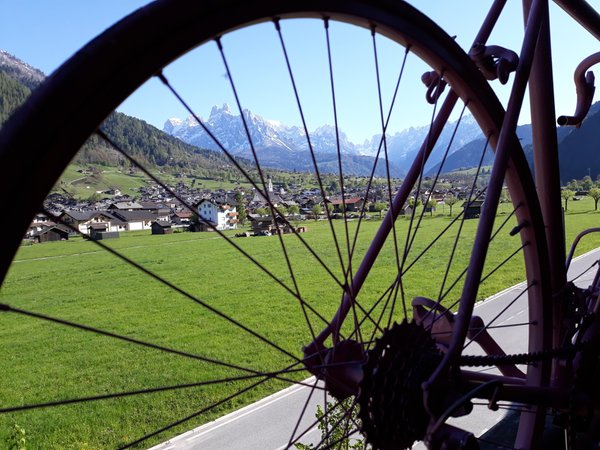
(348,271)
(441,166)
(316,422)
(115,395)
(437,238)
(308,140)
(499,266)
(346,417)
(489,327)
(429,143)
(390,292)
(8,308)
(266,191)
(512,302)
(387,171)
(187,295)
(368,314)
(594,264)
(165,81)
(505,221)
(348,274)
(345,436)
(303,412)
(196,414)
(495,443)
(460,228)
(508,407)
(372,174)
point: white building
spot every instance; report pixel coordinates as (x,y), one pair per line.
(221,215)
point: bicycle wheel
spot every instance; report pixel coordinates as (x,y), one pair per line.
(308,279)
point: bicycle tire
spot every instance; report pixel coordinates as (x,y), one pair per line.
(71,104)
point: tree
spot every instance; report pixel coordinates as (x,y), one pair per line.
(333,187)
(567,194)
(316,210)
(262,211)
(414,203)
(241,208)
(595,194)
(282,210)
(379,207)
(586,183)
(431,203)
(574,185)
(450,200)
(294,210)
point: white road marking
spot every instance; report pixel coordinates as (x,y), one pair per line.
(251,409)
(500,294)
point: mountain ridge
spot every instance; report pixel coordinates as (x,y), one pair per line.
(276,144)
(286,147)
(19,70)
(269,135)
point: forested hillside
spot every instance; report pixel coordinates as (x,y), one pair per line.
(147,144)
(12,94)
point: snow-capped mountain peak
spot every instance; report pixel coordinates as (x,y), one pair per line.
(268,136)
(217,111)
(20,70)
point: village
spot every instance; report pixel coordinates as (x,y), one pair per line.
(164,210)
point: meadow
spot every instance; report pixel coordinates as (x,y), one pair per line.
(83,186)
(77,281)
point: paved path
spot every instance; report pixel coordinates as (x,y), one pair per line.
(266,425)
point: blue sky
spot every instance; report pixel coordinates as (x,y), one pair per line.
(45,33)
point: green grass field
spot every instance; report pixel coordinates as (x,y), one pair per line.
(77,281)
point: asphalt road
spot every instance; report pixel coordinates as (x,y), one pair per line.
(266,425)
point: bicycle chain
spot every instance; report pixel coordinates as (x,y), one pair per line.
(527,358)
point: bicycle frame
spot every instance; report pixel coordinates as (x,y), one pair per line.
(533,71)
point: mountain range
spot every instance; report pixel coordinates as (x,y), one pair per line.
(277,145)
(285,147)
(185,146)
